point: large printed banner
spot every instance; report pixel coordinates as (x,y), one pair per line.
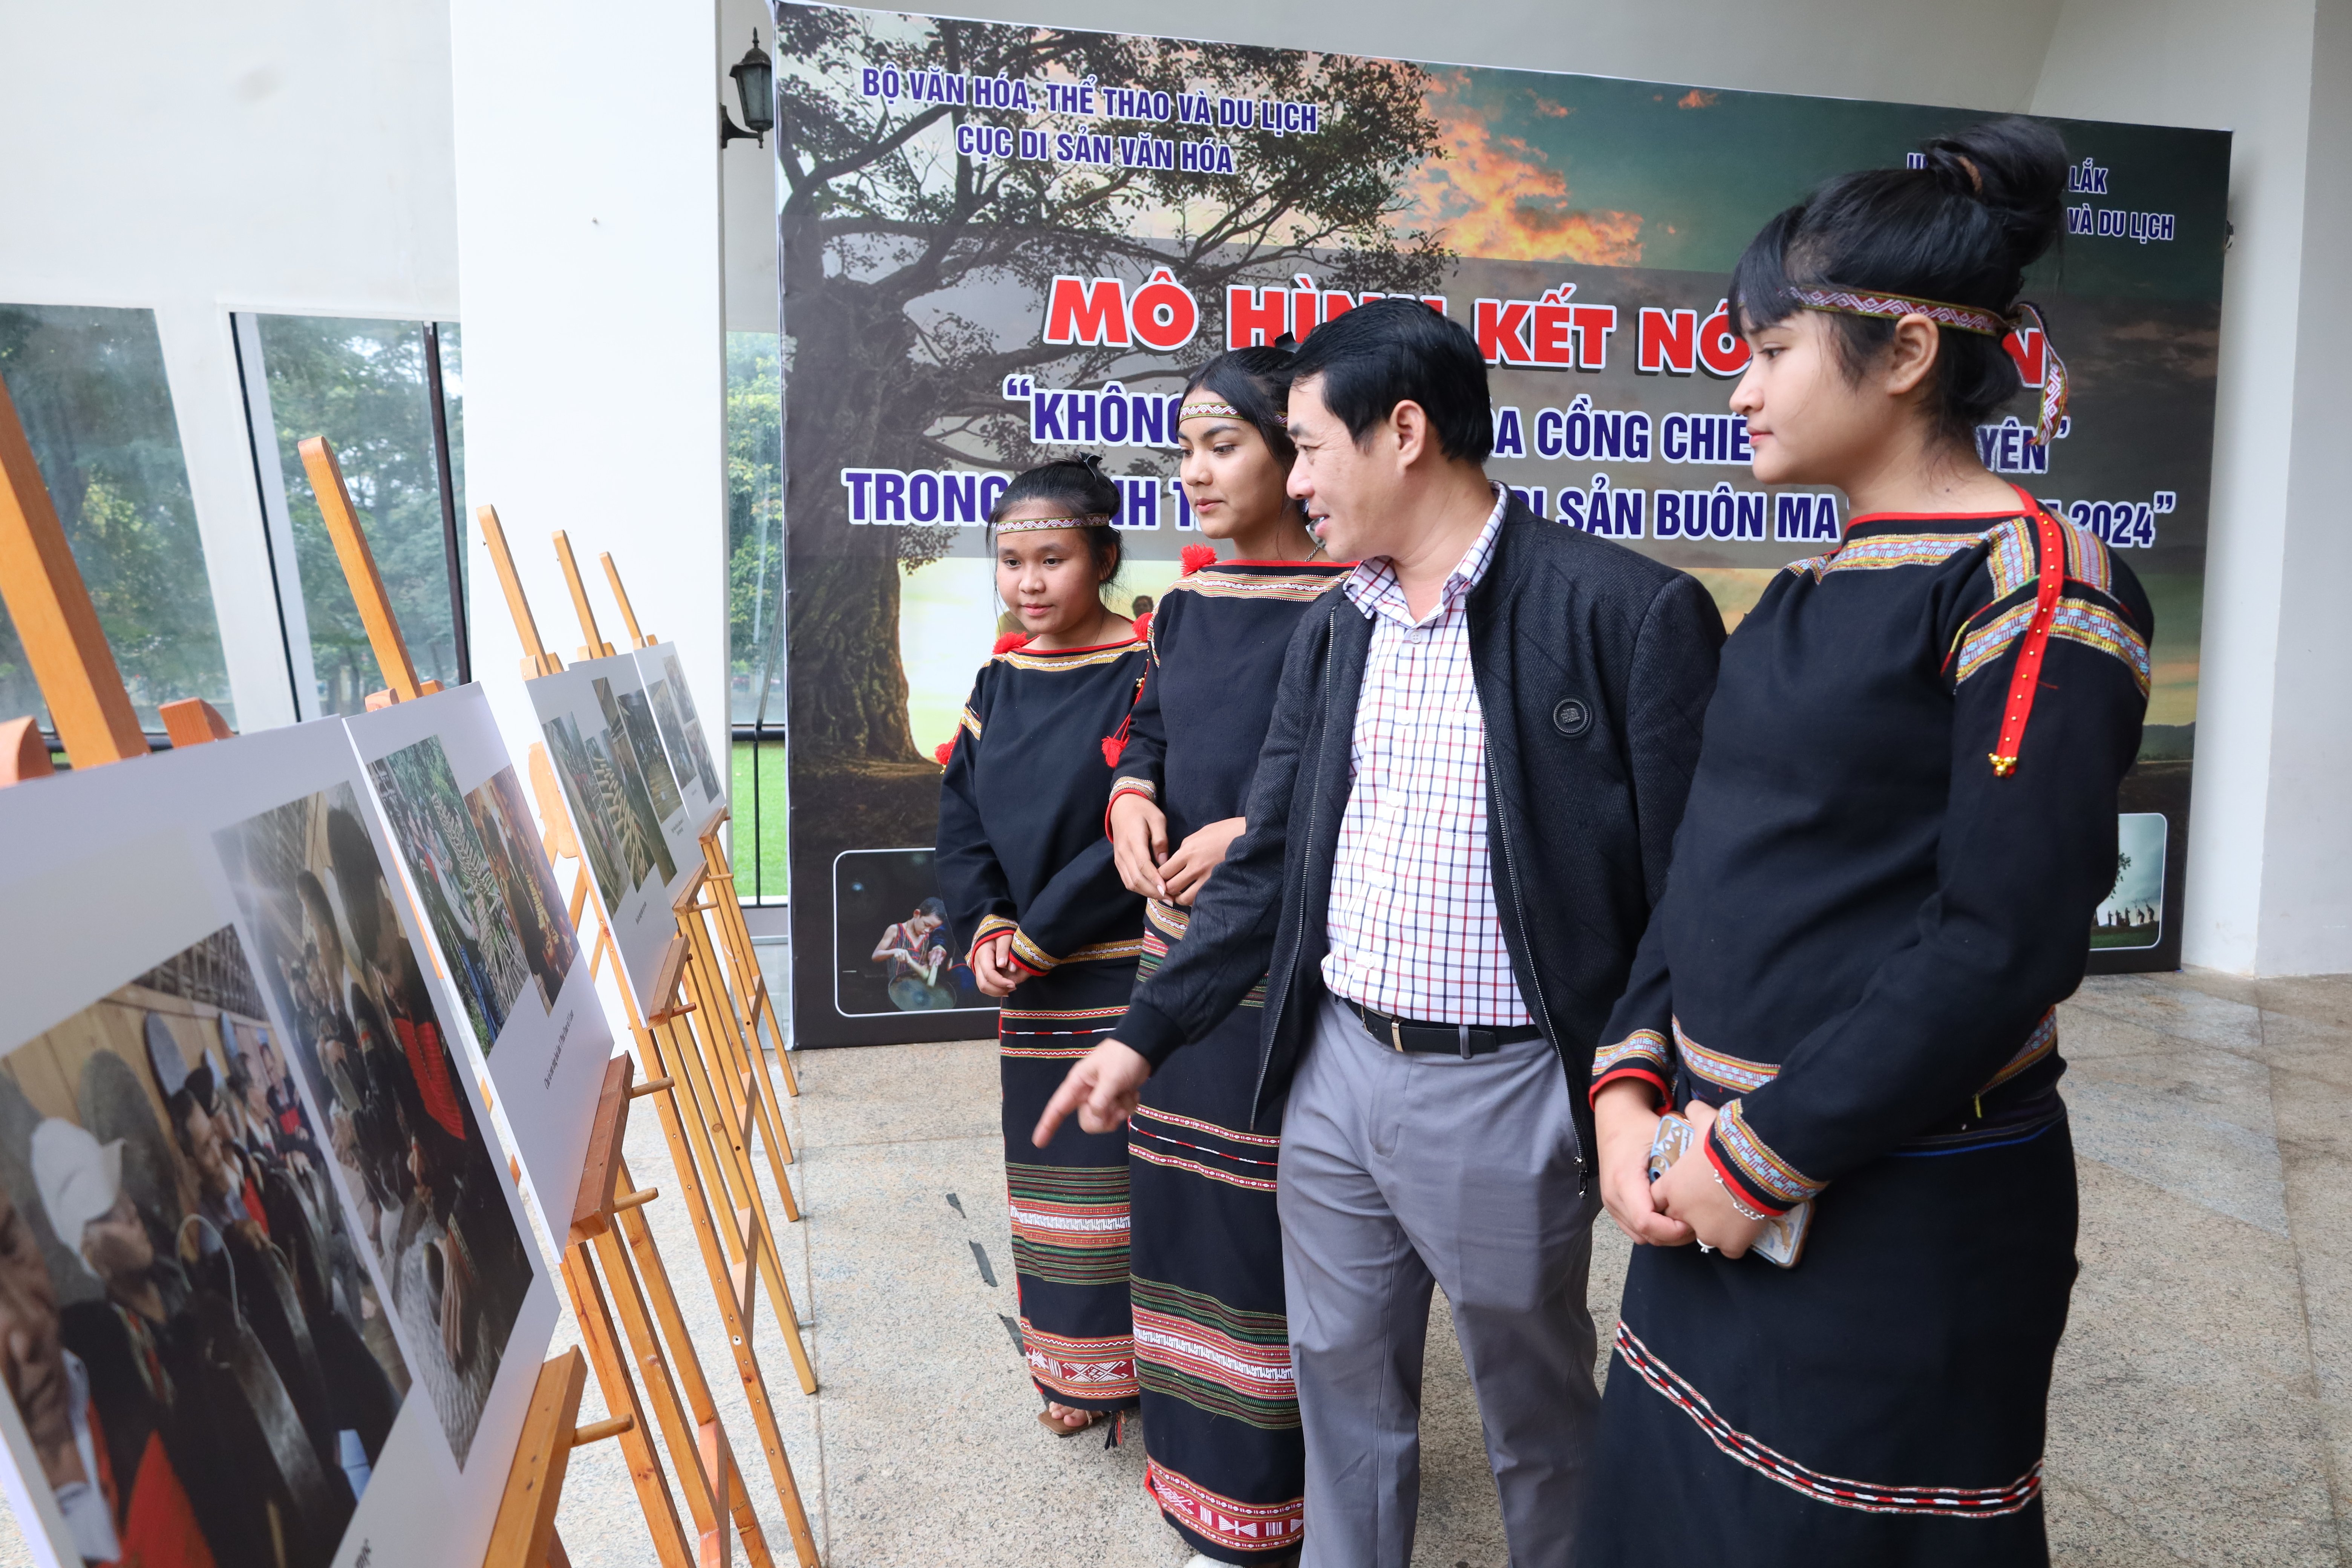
(1001,244)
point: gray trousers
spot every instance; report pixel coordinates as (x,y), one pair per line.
(1401,1171)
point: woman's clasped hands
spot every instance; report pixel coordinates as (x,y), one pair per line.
(1687,1204)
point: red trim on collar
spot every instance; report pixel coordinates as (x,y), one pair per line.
(1928,517)
(1056,652)
(1336,565)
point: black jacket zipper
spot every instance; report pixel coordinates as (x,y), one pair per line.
(1314,816)
(1500,828)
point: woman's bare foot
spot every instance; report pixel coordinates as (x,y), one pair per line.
(1070,1418)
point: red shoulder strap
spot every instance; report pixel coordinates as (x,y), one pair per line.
(2028,674)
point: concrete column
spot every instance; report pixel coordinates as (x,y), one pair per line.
(589,272)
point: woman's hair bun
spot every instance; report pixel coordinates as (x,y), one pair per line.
(1092,460)
(2016,168)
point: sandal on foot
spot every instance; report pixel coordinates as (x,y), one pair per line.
(1060,1428)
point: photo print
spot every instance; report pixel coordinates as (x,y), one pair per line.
(629,719)
(483,882)
(697,747)
(403,1137)
(196,1348)
(892,950)
(637,857)
(616,861)
(2132,915)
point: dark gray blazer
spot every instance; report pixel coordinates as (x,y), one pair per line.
(1593,666)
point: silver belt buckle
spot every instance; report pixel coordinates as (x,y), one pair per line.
(1466,1040)
(1396,1033)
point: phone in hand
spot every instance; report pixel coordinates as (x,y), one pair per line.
(1783,1240)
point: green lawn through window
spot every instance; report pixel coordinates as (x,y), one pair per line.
(759,814)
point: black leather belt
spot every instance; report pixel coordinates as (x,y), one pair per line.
(1464,1040)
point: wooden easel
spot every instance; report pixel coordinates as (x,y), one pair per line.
(600,1275)
(705,1109)
(748,982)
(741,982)
(83,686)
(55,619)
(732,1269)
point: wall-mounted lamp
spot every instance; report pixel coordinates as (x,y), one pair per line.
(755,84)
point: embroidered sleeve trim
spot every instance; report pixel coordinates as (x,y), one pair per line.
(1865,1497)
(971,722)
(1643,1055)
(2078,621)
(2038,1045)
(989,928)
(1734,1073)
(1028,957)
(1739,1155)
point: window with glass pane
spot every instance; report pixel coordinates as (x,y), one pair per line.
(755,584)
(366,386)
(89,386)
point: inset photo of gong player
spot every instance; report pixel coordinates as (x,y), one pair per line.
(893,952)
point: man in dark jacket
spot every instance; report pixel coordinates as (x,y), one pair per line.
(1458,826)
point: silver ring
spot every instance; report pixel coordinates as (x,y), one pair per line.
(1705,1248)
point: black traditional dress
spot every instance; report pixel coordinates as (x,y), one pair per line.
(1226,1461)
(1021,851)
(1879,895)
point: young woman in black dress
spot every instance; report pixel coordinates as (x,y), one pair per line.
(1221,1414)
(1033,894)
(1902,822)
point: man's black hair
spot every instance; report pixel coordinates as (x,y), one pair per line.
(1396,351)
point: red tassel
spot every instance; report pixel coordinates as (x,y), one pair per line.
(943,751)
(1115,746)
(1010,641)
(1196,557)
(1143,626)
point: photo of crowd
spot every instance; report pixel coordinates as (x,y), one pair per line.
(403,1137)
(484,886)
(197,1350)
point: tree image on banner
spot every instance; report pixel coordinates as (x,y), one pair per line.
(894,248)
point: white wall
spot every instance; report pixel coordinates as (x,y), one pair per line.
(195,160)
(2306,902)
(2269,850)
(588,224)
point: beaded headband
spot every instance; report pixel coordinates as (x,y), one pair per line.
(1961,318)
(1221,410)
(1039,524)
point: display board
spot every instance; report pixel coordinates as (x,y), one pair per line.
(1001,244)
(515,971)
(269,1281)
(682,735)
(634,830)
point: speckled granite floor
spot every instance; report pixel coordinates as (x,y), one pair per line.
(2202,1412)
